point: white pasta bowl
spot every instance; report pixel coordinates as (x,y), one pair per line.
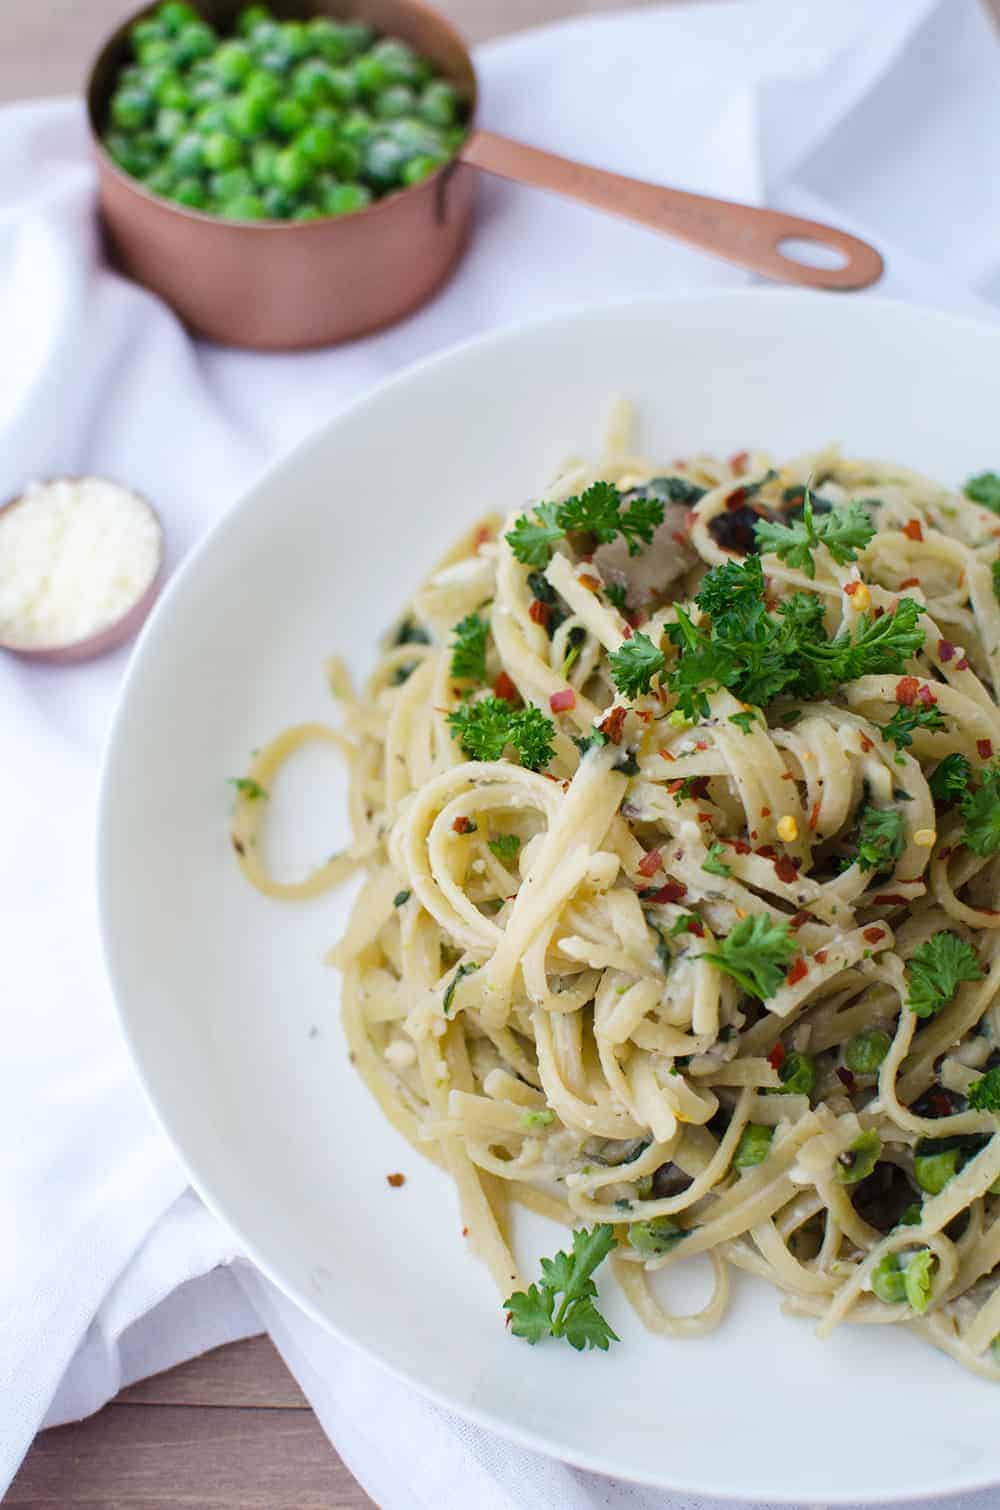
(232,1017)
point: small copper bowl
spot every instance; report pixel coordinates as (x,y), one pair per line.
(275,284)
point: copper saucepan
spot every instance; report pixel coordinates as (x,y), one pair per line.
(286,285)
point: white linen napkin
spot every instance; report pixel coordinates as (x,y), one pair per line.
(878,114)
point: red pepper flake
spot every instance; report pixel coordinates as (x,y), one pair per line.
(593,584)
(850,588)
(946,650)
(650,863)
(776,1058)
(872,935)
(737,498)
(702,744)
(463,825)
(678,537)
(962,665)
(797,970)
(612,722)
(984,748)
(738,845)
(465,1233)
(912,530)
(505,688)
(738,462)
(395,1180)
(697,927)
(672,892)
(890,899)
(559,702)
(768,852)
(787,776)
(799,919)
(786,869)
(867,745)
(627,632)
(644,714)
(482,534)
(940,1104)
(909,582)
(704,817)
(753,834)
(765,812)
(821,956)
(906,691)
(847,1079)
(635,620)
(926,696)
(666,755)
(814,815)
(538,613)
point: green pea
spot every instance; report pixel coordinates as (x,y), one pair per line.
(222,150)
(394,102)
(917,1280)
(261,85)
(933,1171)
(864,1053)
(131,108)
(208,91)
(416,137)
(235,183)
(359,37)
(292,169)
(155,50)
(384,161)
(174,16)
(196,40)
(162,180)
(233,63)
(149,29)
(318,145)
(278,203)
(345,160)
(250,17)
(276,60)
(192,193)
(307,212)
(439,104)
(344,199)
(134,76)
(329,38)
(419,168)
(247,115)
(170,126)
(400,64)
(658,1235)
(859,1159)
(296,38)
(887,1280)
(262,161)
(244,207)
(264,35)
(187,156)
(311,82)
(288,117)
(343,86)
(175,95)
(357,126)
(325,115)
(754,1145)
(213,117)
(131,154)
(797,1074)
(371,75)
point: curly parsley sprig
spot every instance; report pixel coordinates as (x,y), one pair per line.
(844,531)
(937,969)
(755,953)
(486,728)
(468,648)
(599,511)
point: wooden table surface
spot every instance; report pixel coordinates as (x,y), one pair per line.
(230,1430)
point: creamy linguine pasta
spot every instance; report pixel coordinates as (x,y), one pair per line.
(683,916)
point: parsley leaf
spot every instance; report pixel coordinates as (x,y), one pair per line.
(984,489)
(531,736)
(597,511)
(505,847)
(468,648)
(981,811)
(880,838)
(936,970)
(903,722)
(844,531)
(533,1312)
(744,720)
(950,778)
(634,665)
(755,954)
(882,647)
(411,633)
(466,968)
(482,728)
(251,790)
(984,1093)
(714,863)
(531,541)
(617,595)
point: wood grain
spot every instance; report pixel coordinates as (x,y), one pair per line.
(248,1373)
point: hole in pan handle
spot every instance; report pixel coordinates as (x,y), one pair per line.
(740,233)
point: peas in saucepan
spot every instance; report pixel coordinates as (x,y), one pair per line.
(283,120)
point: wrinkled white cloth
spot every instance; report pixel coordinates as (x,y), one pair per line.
(880,115)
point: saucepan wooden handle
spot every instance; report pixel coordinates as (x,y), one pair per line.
(738,232)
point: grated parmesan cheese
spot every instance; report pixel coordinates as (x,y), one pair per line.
(75,555)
